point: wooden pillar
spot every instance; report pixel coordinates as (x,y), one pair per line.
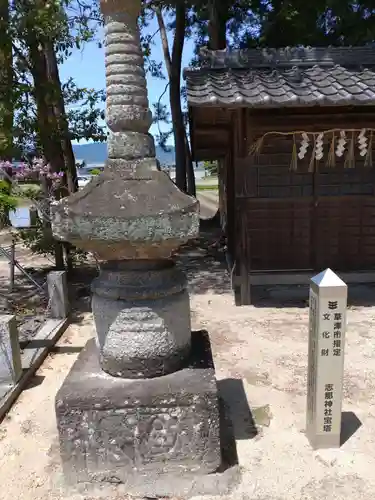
(245,266)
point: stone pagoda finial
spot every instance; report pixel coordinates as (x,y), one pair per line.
(136,404)
(128,115)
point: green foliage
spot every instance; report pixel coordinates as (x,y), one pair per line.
(95,171)
(29,191)
(84,119)
(37,239)
(152,67)
(7,201)
(297,22)
(161,114)
(41,242)
(211,167)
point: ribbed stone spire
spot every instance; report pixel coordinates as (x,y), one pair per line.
(127,103)
(128,114)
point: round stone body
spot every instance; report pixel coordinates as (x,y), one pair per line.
(142,317)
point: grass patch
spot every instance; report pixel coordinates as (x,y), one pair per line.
(29,187)
(29,190)
(207,187)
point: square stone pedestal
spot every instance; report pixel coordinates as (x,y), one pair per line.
(115,430)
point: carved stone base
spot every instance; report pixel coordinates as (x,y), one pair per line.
(113,430)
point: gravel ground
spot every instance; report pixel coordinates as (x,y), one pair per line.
(261,360)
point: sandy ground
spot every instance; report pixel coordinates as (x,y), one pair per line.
(208,203)
(261,360)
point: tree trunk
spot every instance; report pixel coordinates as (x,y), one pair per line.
(191,187)
(6,97)
(217,32)
(6,85)
(60,114)
(52,122)
(47,230)
(174,64)
(48,126)
(70,169)
(175,97)
(47,123)
(274,28)
(217,28)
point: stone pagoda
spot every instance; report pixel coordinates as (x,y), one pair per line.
(141,401)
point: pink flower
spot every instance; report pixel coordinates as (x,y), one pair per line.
(5,164)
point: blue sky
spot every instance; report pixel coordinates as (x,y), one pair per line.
(87,68)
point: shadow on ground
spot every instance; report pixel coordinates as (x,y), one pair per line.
(203,260)
(36,381)
(350,424)
(233,397)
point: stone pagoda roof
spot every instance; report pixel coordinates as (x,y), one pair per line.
(289,77)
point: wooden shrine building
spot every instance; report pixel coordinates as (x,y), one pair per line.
(293,131)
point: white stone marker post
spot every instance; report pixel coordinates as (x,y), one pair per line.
(58,294)
(10,354)
(327,325)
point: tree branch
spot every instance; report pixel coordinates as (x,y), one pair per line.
(21,56)
(164,40)
(154,35)
(159,101)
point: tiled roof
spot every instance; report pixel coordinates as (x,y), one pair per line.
(283,78)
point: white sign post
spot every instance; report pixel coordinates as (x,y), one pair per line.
(327,325)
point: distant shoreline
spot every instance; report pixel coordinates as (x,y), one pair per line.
(200,173)
(97,153)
